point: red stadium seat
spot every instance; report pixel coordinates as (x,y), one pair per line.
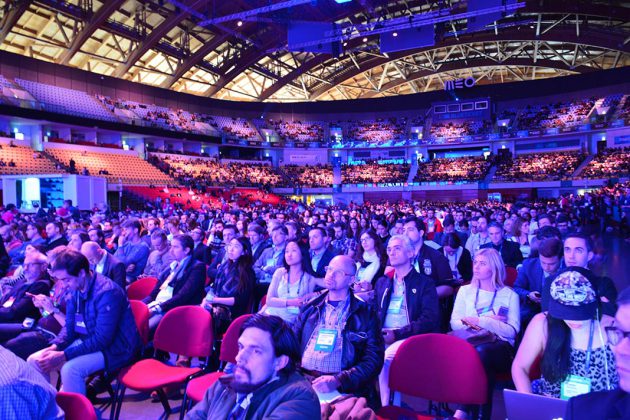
(141,288)
(141,314)
(76,406)
(187,331)
(510,276)
(449,371)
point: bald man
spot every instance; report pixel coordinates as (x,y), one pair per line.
(105,263)
(340,337)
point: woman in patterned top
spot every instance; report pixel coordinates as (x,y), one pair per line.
(575,355)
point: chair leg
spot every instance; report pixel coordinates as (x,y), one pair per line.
(121,397)
(184,408)
(164,400)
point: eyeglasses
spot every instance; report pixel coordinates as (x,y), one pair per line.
(615,335)
(336,272)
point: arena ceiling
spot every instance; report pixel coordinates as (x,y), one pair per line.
(237,49)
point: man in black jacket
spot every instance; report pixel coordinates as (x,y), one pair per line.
(104,263)
(510,251)
(178,285)
(407,304)
(16,305)
(340,337)
(320,254)
(201,253)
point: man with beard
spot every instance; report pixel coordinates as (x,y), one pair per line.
(265,383)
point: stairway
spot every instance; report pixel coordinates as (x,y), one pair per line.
(413,170)
(583,165)
(488,178)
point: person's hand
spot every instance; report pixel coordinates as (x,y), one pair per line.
(43,302)
(534,297)
(51,360)
(130,268)
(326,383)
(389,337)
(471,321)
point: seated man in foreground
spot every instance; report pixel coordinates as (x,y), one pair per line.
(265,383)
(340,337)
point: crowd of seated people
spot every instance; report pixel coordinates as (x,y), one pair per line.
(551,166)
(297,130)
(211,172)
(556,115)
(377,131)
(310,176)
(455,129)
(461,169)
(374,173)
(609,163)
(72,276)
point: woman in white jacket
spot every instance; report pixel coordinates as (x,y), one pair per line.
(487,304)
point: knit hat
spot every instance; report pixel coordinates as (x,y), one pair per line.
(573,296)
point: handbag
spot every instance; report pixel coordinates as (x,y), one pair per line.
(474,336)
(221,319)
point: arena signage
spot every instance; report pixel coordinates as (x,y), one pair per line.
(459,83)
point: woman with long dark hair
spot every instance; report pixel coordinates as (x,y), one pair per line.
(371,262)
(292,285)
(569,338)
(230,296)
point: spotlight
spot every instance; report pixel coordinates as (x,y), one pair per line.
(345,44)
(365,39)
(395,34)
(239,23)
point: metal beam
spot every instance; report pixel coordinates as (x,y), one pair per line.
(95,21)
(482,62)
(11,18)
(174,19)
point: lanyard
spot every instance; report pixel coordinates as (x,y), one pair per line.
(491,302)
(299,284)
(589,350)
(340,313)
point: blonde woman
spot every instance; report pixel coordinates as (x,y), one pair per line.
(487,304)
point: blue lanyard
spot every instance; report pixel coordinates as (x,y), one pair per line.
(589,350)
(491,303)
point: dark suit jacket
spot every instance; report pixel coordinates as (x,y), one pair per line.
(329,254)
(5,261)
(602,405)
(202,253)
(115,270)
(22,306)
(258,252)
(510,252)
(464,266)
(187,287)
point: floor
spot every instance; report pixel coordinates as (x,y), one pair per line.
(616,266)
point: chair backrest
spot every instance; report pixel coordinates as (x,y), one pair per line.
(141,315)
(185,330)
(510,276)
(141,288)
(75,406)
(229,345)
(440,368)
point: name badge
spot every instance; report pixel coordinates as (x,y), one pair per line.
(79,325)
(293,310)
(395,305)
(271,262)
(573,386)
(326,339)
(8,303)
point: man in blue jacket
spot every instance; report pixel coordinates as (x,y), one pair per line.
(100,331)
